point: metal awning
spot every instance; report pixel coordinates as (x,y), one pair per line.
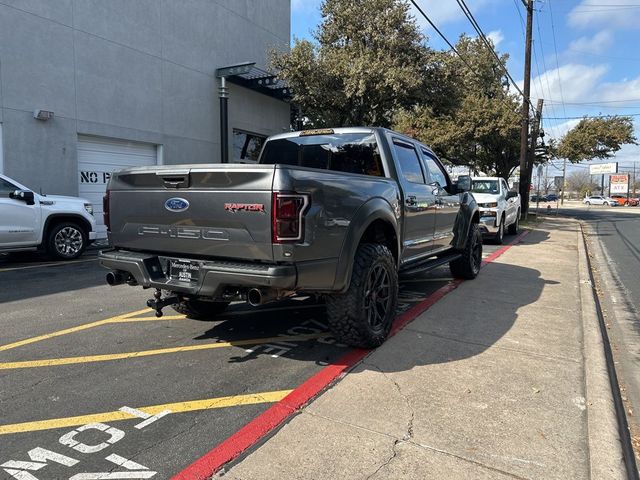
(249,76)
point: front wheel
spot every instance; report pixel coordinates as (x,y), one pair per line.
(66,241)
(515,226)
(468,265)
(363,315)
(588,203)
(499,238)
(200,309)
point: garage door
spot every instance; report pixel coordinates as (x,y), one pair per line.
(98,157)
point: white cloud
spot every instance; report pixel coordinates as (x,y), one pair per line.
(599,43)
(618,13)
(578,82)
(496,37)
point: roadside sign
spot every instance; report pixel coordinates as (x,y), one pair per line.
(619,183)
(603,168)
(557,181)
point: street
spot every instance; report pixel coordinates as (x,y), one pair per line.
(74,351)
(617,232)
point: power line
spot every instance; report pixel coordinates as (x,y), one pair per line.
(594,116)
(555,47)
(596,102)
(483,37)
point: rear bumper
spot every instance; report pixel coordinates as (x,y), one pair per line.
(215,275)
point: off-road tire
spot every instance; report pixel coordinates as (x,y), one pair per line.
(66,241)
(199,309)
(515,226)
(347,313)
(498,239)
(468,265)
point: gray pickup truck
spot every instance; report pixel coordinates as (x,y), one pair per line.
(338,213)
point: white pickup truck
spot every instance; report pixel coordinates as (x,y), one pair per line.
(63,226)
(499,207)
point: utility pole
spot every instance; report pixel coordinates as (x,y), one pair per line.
(524,131)
(531,153)
(564,180)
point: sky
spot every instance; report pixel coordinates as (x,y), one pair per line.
(586,57)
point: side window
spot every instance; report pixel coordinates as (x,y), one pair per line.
(409,162)
(505,187)
(435,170)
(6,188)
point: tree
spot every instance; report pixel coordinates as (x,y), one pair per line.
(368,60)
(596,137)
(581,183)
(481,127)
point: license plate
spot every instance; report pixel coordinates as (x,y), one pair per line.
(184,271)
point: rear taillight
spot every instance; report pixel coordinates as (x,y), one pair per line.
(105,211)
(287,216)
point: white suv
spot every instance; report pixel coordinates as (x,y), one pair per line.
(63,226)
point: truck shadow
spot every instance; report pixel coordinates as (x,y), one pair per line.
(469,320)
(34,275)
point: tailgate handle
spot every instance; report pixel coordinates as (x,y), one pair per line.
(175,179)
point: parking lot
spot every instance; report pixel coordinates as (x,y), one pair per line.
(76,352)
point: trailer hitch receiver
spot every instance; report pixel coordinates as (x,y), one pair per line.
(158,303)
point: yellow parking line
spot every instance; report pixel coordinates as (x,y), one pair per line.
(54,362)
(148,319)
(66,331)
(179,407)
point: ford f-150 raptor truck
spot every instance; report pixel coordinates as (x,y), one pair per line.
(63,226)
(339,213)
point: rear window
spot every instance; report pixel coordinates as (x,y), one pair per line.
(347,152)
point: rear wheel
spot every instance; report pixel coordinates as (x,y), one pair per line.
(515,226)
(468,265)
(200,309)
(363,315)
(66,241)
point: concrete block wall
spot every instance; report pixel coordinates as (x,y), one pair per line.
(139,70)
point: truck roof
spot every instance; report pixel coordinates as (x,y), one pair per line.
(486,178)
(322,131)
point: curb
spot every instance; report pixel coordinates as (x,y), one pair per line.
(605,447)
(265,423)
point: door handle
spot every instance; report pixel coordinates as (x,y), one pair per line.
(411,200)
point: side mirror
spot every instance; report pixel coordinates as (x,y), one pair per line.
(25,196)
(511,194)
(464,183)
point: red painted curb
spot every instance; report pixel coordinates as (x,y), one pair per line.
(264,423)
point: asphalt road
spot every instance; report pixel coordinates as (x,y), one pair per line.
(617,230)
(74,352)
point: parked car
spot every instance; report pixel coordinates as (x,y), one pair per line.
(538,198)
(623,200)
(499,207)
(552,197)
(337,213)
(62,226)
(599,200)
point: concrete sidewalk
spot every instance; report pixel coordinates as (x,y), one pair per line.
(502,378)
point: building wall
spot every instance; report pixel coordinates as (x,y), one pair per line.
(140,70)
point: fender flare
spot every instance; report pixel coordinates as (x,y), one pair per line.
(466,214)
(374,209)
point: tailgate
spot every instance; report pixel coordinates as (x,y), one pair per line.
(214,211)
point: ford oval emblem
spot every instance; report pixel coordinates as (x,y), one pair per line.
(176,204)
